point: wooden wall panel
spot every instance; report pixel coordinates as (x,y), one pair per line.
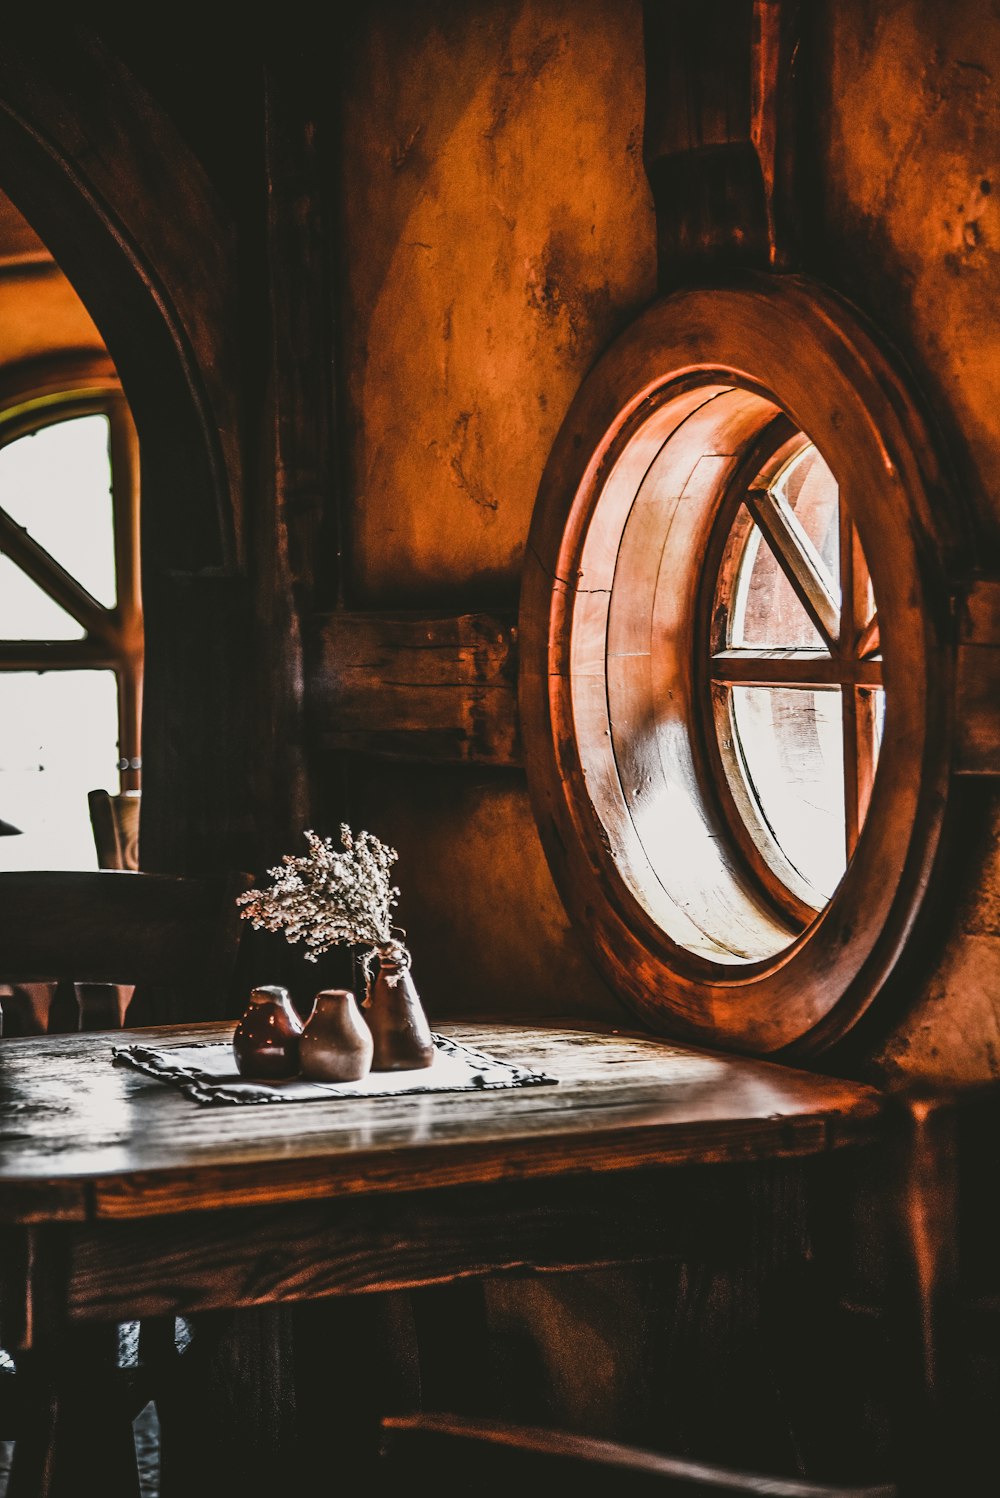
(403,687)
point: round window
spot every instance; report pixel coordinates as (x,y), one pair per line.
(733,671)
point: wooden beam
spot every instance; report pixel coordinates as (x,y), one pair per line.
(721,133)
(180,1264)
(977,687)
(399,686)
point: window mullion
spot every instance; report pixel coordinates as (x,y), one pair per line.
(791,551)
(54,580)
(58,655)
(792,668)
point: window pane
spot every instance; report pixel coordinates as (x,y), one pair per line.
(58,740)
(809,488)
(57,484)
(766,614)
(791,740)
(26,613)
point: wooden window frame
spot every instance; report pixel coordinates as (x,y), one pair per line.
(784,346)
(113,638)
(853,644)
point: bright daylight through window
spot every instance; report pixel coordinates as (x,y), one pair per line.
(798,701)
(70,629)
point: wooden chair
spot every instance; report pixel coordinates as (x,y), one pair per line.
(95,935)
(174,938)
(941,1310)
(115,824)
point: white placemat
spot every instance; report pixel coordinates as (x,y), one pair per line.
(206,1072)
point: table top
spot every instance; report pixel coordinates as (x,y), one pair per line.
(82,1139)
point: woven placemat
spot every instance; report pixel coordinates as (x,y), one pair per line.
(205,1071)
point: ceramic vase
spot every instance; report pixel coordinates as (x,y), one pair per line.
(336,1044)
(266,1040)
(395,1015)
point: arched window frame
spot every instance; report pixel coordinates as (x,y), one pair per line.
(113,637)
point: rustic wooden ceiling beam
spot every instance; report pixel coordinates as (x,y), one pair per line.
(721,137)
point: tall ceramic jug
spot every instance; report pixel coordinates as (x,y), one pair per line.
(395,1014)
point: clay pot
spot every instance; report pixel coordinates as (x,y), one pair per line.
(266,1040)
(336,1044)
(395,1015)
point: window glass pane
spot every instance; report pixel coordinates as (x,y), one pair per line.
(791,741)
(26,613)
(58,740)
(57,484)
(809,489)
(765,613)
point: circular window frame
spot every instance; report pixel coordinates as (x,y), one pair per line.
(794,346)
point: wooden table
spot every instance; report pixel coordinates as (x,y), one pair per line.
(120,1198)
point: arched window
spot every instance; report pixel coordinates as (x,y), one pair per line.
(735,666)
(70,612)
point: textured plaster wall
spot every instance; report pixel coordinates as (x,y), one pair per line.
(497,232)
(910,174)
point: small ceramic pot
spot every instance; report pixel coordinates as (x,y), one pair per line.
(266,1040)
(336,1044)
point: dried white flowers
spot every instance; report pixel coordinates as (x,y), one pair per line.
(328,898)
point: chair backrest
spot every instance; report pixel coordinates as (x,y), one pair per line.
(175,938)
(115,824)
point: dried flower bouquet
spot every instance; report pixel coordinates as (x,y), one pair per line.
(328,898)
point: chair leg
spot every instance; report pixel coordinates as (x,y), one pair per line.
(75,1436)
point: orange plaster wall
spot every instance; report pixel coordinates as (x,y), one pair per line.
(910,175)
(40,313)
(498,231)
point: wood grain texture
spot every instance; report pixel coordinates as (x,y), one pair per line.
(70,1119)
(721,139)
(400,686)
(188,1262)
